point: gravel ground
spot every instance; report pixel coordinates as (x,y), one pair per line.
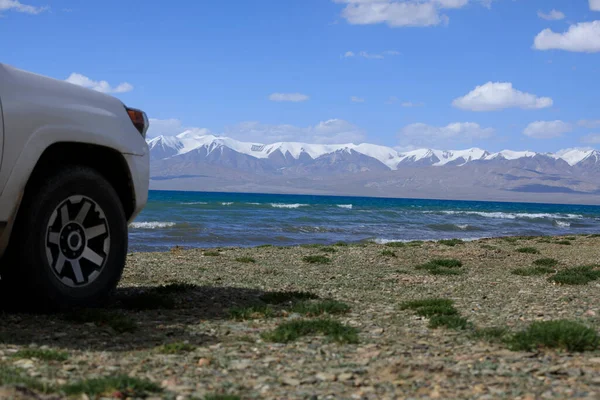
(397,354)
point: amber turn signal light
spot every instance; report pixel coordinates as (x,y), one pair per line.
(139,120)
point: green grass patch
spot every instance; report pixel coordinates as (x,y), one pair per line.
(311,246)
(117,321)
(415,243)
(395,244)
(42,354)
(221,397)
(594,235)
(564,242)
(571,238)
(245,260)
(430,307)
(125,385)
(176,348)
(546,262)
(451,242)
(316,259)
(293,330)
(441,313)
(264,246)
(211,253)
(494,334)
(10,376)
(532,271)
(455,322)
(316,308)
(328,250)
(577,275)
(511,240)
(442,266)
(562,334)
(251,312)
(528,250)
(388,253)
(286,297)
(341,244)
(545,240)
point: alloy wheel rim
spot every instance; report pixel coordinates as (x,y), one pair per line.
(77,241)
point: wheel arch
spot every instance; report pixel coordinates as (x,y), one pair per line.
(108,162)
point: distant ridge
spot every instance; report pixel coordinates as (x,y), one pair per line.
(194,160)
(163,147)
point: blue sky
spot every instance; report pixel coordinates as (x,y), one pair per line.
(448,74)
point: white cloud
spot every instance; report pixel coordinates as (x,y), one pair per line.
(365,54)
(15,5)
(165,127)
(593,138)
(100,86)
(583,37)
(553,15)
(325,132)
(595,5)
(500,95)
(411,104)
(420,134)
(587,123)
(397,13)
(356,99)
(293,97)
(547,129)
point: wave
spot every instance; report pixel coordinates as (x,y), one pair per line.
(282,205)
(151,225)
(347,206)
(563,224)
(227,203)
(254,204)
(453,227)
(191,203)
(312,229)
(505,215)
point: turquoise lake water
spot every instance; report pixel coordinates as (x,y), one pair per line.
(198,219)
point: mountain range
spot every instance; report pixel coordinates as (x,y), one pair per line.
(193,161)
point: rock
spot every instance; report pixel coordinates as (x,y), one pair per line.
(240,364)
(290,381)
(345,376)
(25,364)
(325,377)
(203,362)
(595,360)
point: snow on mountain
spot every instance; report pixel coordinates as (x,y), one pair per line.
(163,147)
(511,155)
(576,156)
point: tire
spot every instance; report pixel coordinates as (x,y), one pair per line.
(70,243)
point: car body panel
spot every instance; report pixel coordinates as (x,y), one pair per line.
(38,112)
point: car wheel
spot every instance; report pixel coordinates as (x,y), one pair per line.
(71,239)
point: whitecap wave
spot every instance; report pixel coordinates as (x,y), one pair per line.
(254,204)
(563,224)
(191,203)
(347,206)
(504,215)
(227,203)
(281,205)
(463,227)
(151,225)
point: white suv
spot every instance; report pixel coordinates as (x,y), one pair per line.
(74,170)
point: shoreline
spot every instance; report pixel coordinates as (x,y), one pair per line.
(208,321)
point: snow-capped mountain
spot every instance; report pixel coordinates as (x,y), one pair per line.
(290,153)
(195,160)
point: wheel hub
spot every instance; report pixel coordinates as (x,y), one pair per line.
(77,241)
(72,241)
